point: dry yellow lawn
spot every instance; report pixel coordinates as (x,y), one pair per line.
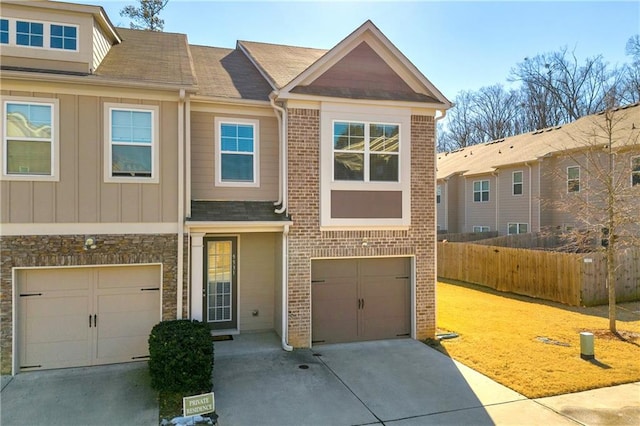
(533,346)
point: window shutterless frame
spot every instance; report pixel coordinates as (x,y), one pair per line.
(635,171)
(36,34)
(30,139)
(573,179)
(481,191)
(235,150)
(131,143)
(517,183)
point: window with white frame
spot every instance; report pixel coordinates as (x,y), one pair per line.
(4,31)
(63,37)
(438,193)
(635,171)
(366,152)
(481,191)
(517,180)
(481,228)
(30,33)
(517,228)
(132,143)
(29,139)
(237,161)
(573,179)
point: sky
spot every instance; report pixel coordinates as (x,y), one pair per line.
(457,45)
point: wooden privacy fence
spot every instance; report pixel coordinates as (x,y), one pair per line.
(569,278)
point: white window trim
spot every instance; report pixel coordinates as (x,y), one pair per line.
(438,194)
(514,183)
(632,171)
(55,139)
(481,228)
(219,121)
(579,180)
(155,143)
(518,225)
(473,191)
(330,112)
(46,34)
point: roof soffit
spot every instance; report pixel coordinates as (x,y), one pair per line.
(368,33)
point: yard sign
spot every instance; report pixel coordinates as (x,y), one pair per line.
(198,404)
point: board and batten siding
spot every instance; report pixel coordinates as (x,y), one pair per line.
(203,139)
(81,195)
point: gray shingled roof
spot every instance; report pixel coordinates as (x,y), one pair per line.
(235,211)
(150,57)
(227,73)
(529,147)
(281,63)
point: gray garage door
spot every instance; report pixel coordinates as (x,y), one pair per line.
(72,317)
(360,299)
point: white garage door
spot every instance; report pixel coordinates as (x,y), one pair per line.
(72,317)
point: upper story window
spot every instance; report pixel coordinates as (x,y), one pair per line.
(438,194)
(30,144)
(517,183)
(29,34)
(4,31)
(481,191)
(635,171)
(132,143)
(366,152)
(46,35)
(517,228)
(237,153)
(64,37)
(573,179)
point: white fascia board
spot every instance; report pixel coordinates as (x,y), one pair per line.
(314,98)
(237,226)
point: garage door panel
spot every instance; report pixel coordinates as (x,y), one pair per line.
(388,267)
(334,318)
(58,355)
(326,269)
(128,276)
(37,280)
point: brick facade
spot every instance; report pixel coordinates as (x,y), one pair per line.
(307,241)
(68,250)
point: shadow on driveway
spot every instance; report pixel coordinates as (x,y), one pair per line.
(118,394)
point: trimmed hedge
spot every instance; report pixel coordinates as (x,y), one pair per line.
(181,357)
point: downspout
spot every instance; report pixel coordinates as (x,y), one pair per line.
(495,174)
(188,157)
(281,115)
(180,269)
(435,174)
(530,195)
(285,289)
(446,204)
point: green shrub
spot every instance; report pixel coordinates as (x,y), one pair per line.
(181,357)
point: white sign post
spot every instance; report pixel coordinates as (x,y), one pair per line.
(198,404)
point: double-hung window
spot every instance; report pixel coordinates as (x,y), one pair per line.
(517,183)
(367,152)
(132,148)
(29,139)
(438,194)
(237,161)
(635,171)
(4,31)
(517,228)
(29,33)
(481,228)
(481,191)
(573,179)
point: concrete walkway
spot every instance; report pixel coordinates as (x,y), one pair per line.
(393,382)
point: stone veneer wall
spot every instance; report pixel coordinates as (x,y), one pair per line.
(68,250)
(306,241)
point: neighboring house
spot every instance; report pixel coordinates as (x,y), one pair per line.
(529,182)
(264,187)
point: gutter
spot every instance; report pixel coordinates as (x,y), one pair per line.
(495,174)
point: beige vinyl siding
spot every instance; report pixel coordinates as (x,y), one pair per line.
(81,195)
(480,213)
(513,208)
(101,45)
(203,138)
(46,58)
(277,290)
(257,273)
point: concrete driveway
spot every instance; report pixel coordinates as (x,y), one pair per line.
(392,382)
(118,394)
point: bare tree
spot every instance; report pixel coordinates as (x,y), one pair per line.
(461,129)
(630,84)
(496,112)
(603,193)
(146,16)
